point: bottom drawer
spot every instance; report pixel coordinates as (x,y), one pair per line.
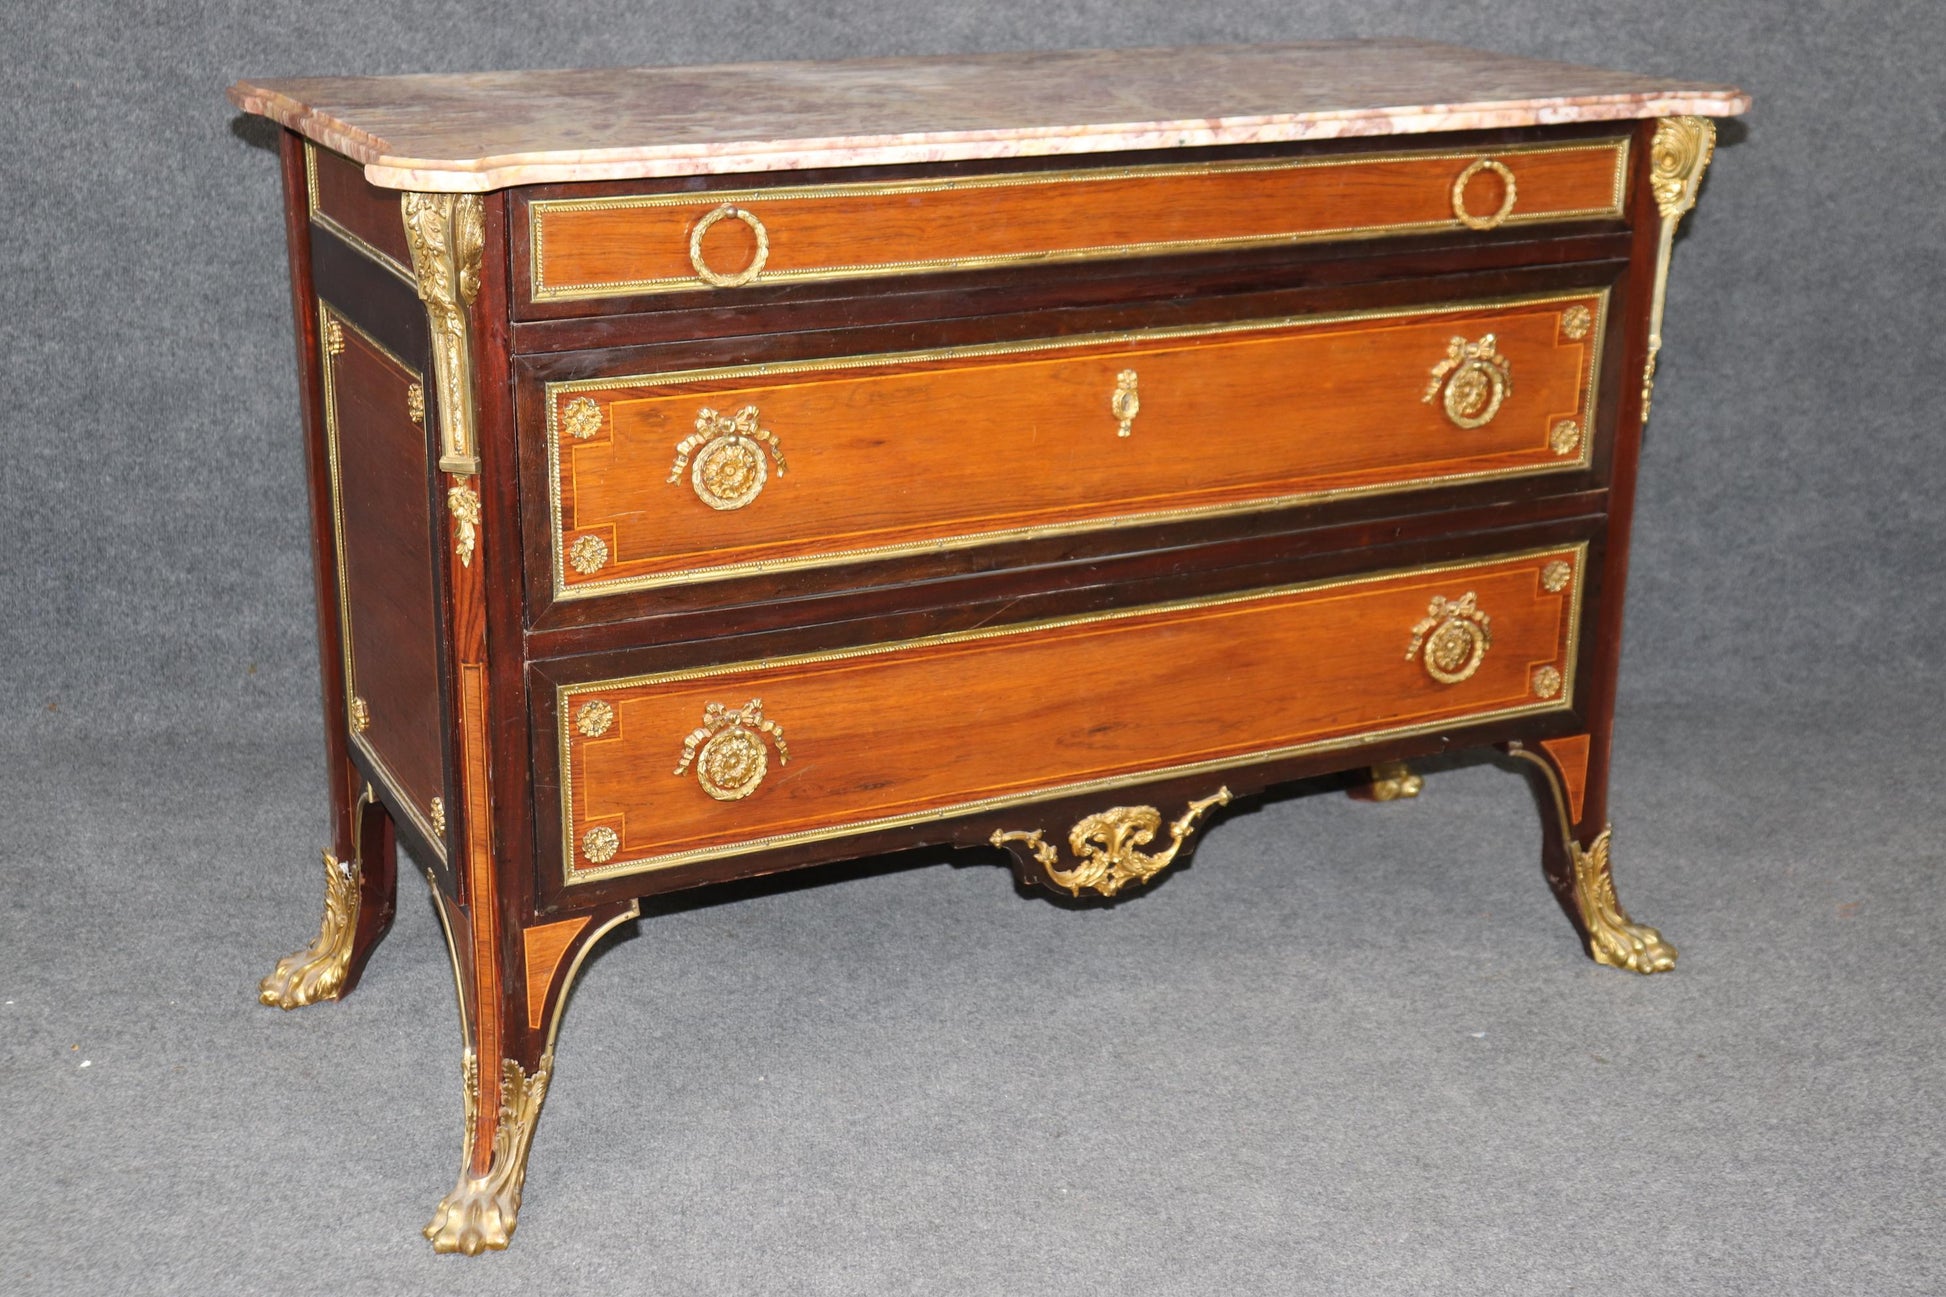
(682,766)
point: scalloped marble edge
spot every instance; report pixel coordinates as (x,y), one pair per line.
(503,171)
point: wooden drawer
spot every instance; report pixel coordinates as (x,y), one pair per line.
(706,474)
(685,766)
(632,245)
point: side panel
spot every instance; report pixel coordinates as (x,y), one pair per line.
(362,214)
(374,407)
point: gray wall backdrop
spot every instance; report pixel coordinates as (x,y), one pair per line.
(1350,1050)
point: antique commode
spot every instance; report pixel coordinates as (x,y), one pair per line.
(719,471)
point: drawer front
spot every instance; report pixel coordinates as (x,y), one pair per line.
(685,766)
(708,474)
(644,244)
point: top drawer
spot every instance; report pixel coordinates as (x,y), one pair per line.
(633,245)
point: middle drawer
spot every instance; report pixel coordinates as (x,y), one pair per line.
(706,474)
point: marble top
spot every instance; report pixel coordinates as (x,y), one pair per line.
(487,130)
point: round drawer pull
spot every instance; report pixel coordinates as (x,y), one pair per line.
(1474,379)
(1474,168)
(1453,639)
(730,752)
(748,273)
(729,451)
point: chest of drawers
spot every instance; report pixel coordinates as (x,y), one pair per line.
(720,471)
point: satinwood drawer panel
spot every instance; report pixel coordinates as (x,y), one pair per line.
(707,474)
(654,243)
(690,765)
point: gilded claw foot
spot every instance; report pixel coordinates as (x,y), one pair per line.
(480,1213)
(318,971)
(1613,938)
(1390,781)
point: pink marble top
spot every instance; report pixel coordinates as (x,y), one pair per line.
(486,130)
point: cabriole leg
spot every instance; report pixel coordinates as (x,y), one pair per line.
(1575,855)
(514,1025)
(359,899)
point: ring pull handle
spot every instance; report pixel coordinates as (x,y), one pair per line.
(1474,168)
(734,279)
(1472,381)
(1452,639)
(731,749)
(729,452)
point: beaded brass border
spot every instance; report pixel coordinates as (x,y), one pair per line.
(540,291)
(564,696)
(328,316)
(969,540)
(321,217)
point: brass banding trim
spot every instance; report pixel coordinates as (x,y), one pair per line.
(563,590)
(377,766)
(541,291)
(565,695)
(321,217)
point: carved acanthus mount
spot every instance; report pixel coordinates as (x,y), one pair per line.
(317,972)
(1613,938)
(1677,159)
(481,1212)
(1107,846)
(447,234)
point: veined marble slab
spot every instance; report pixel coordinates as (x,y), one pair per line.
(488,130)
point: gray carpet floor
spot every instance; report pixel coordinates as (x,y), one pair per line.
(1349,1049)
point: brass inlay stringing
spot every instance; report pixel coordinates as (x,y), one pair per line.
(1391,781)
(566,588)
(545,291)
(1614,938)
(1556,575)
(730,466)
(600,844)
(1108,846)
(1565,437)
(1677,160)
(317,972)
(1547,682)
(436,812)
(566,695)
(581,418)
(464,504)
(1126,403)
(594,718)
(733,758)
(361,715)
(481,1212)
(334,338)
(588,554)
(1467,218)
(415,403)
(735,279)
(1576,321)
(447,234)
(1475,377)
(1453,639)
